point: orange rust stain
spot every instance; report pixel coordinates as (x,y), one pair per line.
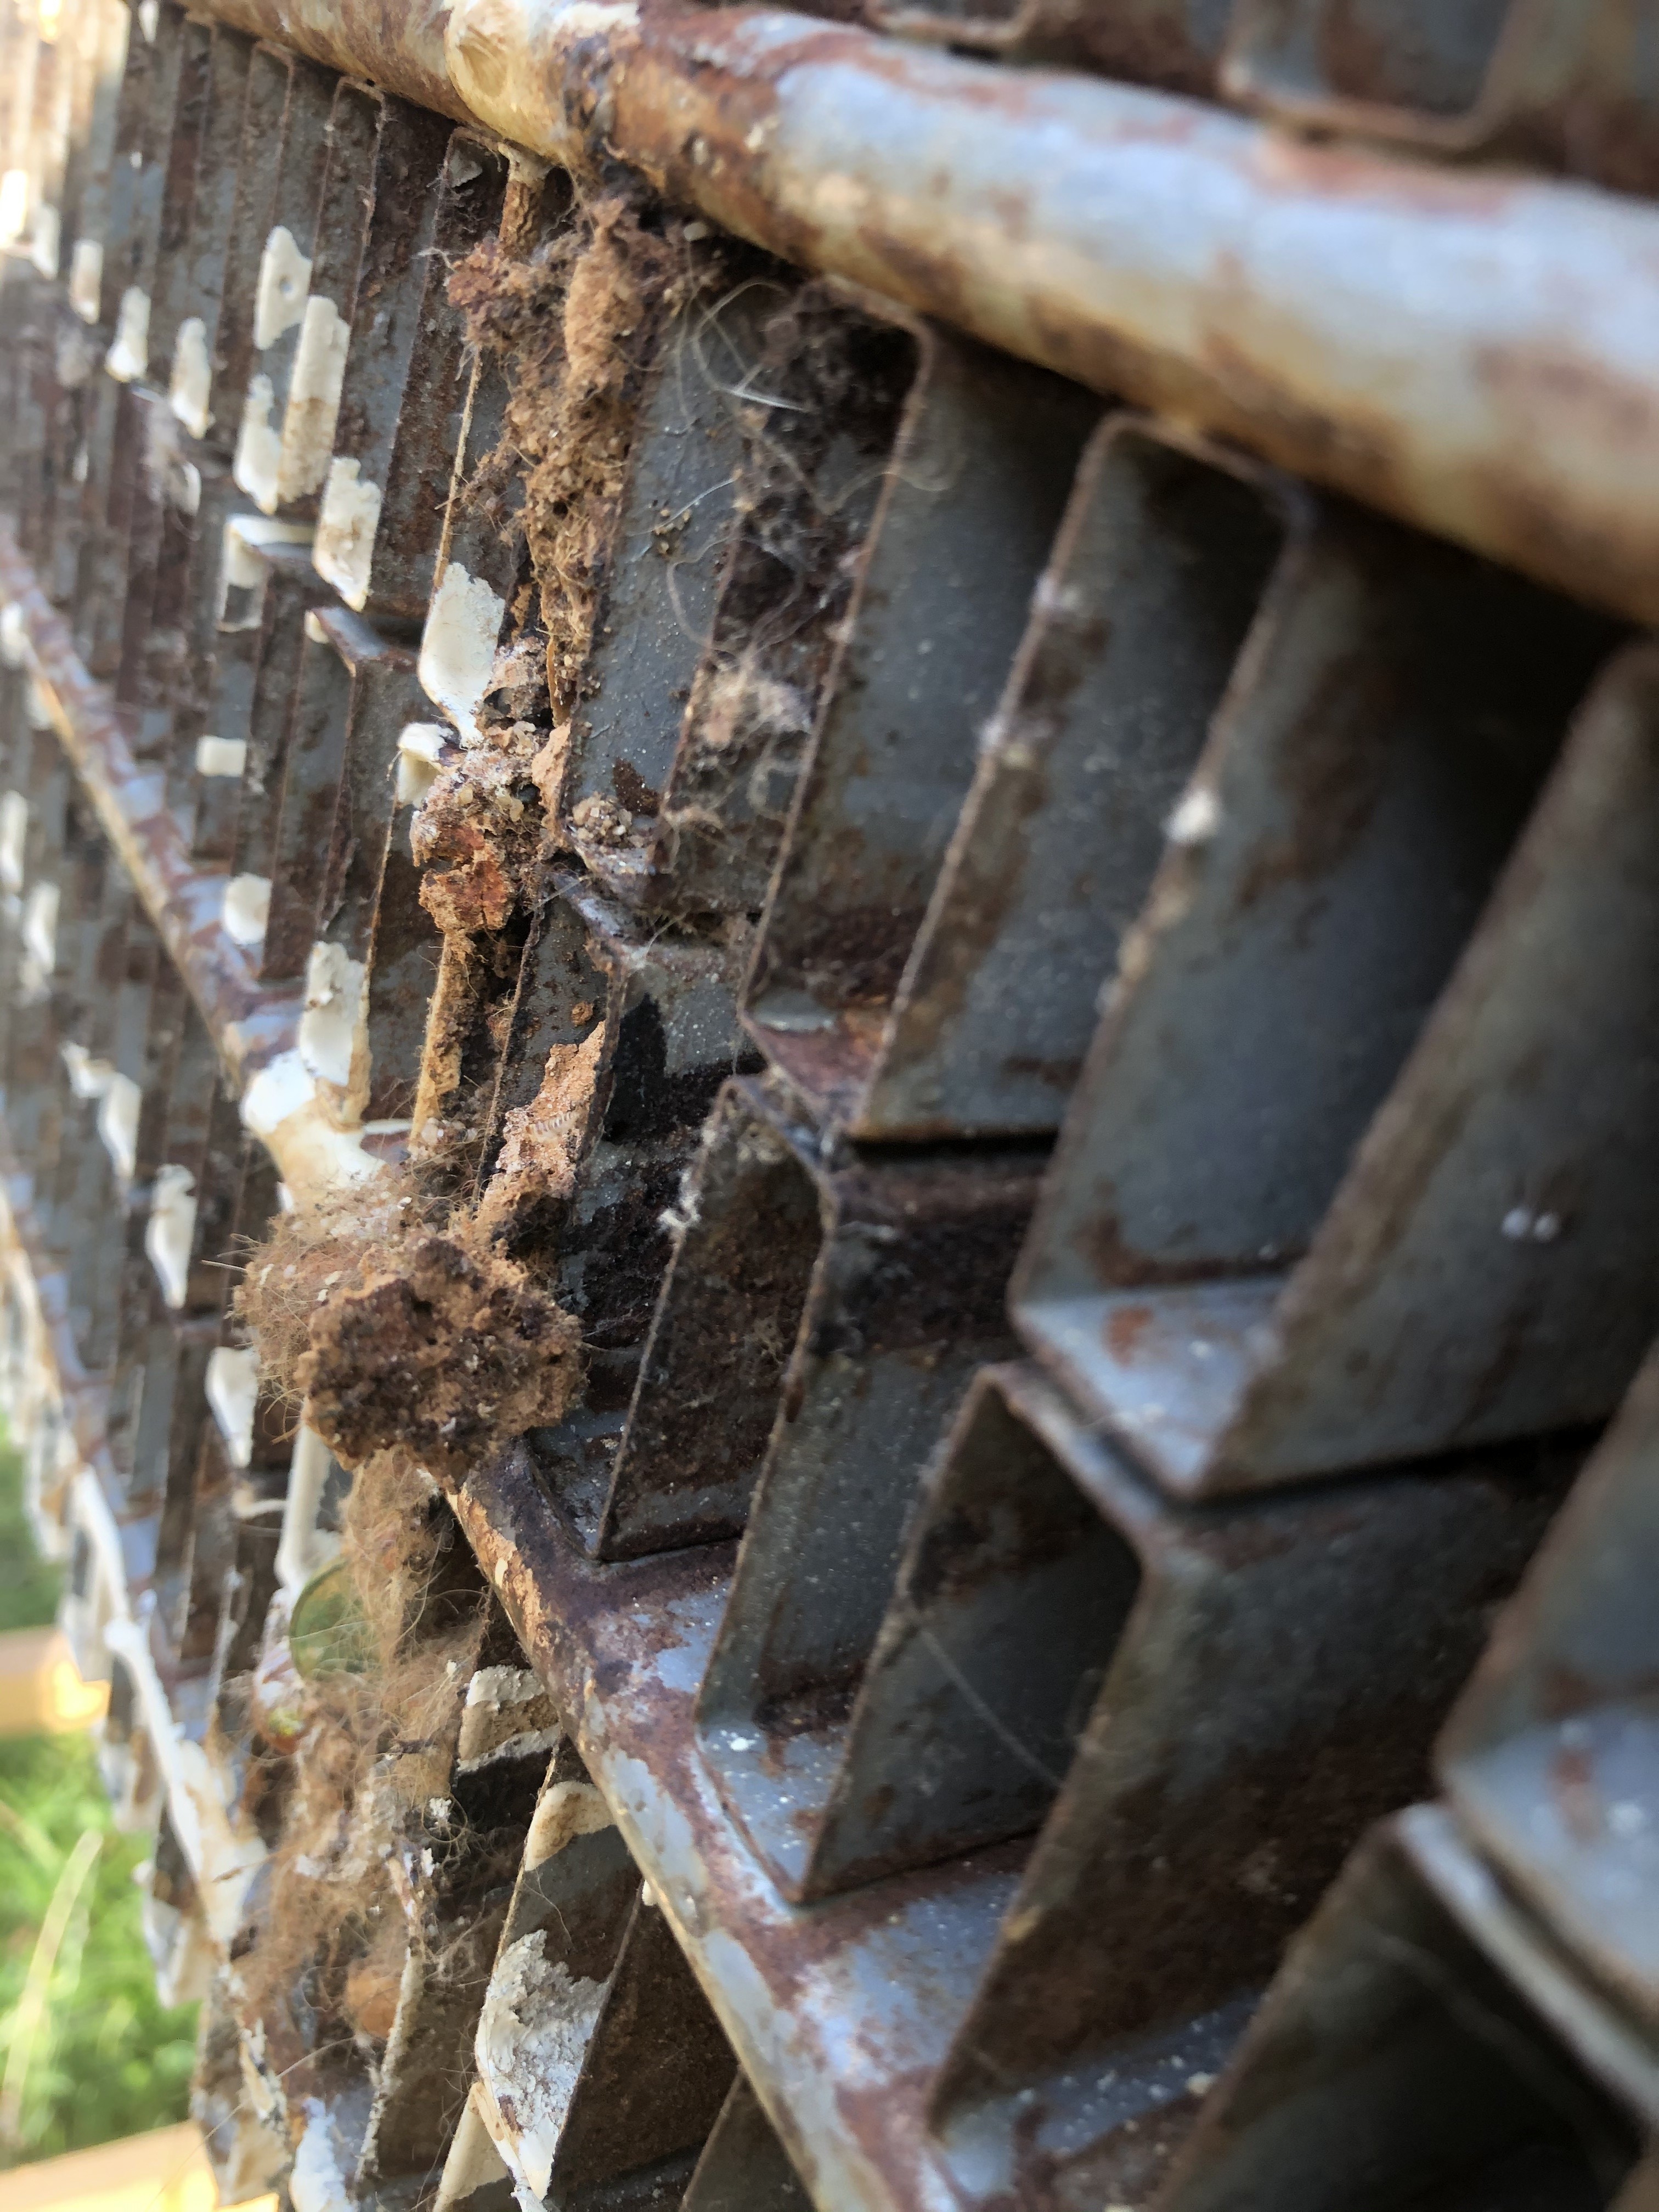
(1124,1329)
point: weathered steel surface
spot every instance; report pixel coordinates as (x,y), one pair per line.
(1189,260)
(1424,2036)
(1550,1757)
(253,1027)
(1574,84)
(906,1299)
(1244,1303)
(962,1811)
(1136,625)
(745,1242)
(975,492)
(399,47)
(744,2168)
(846,2012)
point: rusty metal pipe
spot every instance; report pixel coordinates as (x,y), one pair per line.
(1476,353)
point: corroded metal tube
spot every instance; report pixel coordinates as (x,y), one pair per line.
(1478,354)
(1475,352)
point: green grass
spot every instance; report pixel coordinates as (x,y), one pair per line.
(103,2058)
(29,1584)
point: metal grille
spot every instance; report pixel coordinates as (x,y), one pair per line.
(1021,871)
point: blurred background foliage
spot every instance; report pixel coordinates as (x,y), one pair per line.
(87,2052)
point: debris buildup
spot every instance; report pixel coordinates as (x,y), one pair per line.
(365,1751)
(574,323)
(405,1335)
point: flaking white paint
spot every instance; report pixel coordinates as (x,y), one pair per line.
(129,356)
(279,296)
(313,400)
(458,645)
(233,1394)
(85,278)
(192,377)
(171,1230)
(420,751)
(221,755)
(331,1023)
(351,515)
(117,1123)
(258,467)
(247,909)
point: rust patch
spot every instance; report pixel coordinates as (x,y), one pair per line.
(1125,1328)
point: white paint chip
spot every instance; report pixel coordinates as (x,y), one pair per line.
(420,752)
(85,278)
(333,1014)
(313,400)
(192,377)
(40,927)
(1196,819)
(316,2181)
(88,1078)
(44,246)
(233,1394)
(533,2036)
(129,357)
(171,1230)
(258,467)
(117,1123)
(351,515)
(247,909)
(279,296)
(13,839)
(221,755)
(284,1088)
(242,571)
(458,645)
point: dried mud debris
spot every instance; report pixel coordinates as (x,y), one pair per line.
(440,1354)
(476,836)
(404,1328)
(574,323)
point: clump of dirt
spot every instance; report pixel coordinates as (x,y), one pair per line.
(477,835)
(443,1353)
(573,323)
(525,1205)
(308,1253)
(402,1330)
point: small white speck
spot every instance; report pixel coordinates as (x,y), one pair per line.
(1196,819)
(1626,1818)
(742,1742)
(1200,2084)
(1546,1229)
(1517,1224)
